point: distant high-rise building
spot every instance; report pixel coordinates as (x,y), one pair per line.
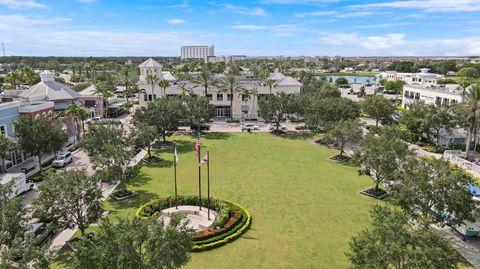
(197,52)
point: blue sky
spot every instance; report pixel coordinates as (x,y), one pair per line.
(253,28)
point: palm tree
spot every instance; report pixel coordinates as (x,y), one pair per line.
(73,110)
(6,144)
(82,116)
(28,74)
(231,85)
(164,84)
(254,94)
(270,83)
(152,79)
(182,85)
(205,78)
(245,94)
(472,101)
(14,78)
(92,66)
(106,90)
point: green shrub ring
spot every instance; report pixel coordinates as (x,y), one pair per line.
(212,242)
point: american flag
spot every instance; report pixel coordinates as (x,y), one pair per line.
(197,147)
(204,160)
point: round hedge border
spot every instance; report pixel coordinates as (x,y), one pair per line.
(217,240)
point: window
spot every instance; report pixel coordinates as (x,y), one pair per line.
(230,97)
(154,97)
(145,97)
(210,97)
(219,97)
(3,129)
(89,103)
(244,97)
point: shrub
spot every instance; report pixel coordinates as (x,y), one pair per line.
(232,121)
(301,127)
(47,163)
(434,148)
(41,176)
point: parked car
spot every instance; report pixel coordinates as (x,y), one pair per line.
(62,159)
(19,183)
(379,90)
(249,127)
(202,126)
(94,119)
(273,127)
(42,232)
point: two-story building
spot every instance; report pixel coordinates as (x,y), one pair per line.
(242,106)
(424,77)
(448,94)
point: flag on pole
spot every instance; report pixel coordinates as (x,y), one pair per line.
(175,154)
(204,160)
(197,146)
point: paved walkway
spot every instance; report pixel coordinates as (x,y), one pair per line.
(469,249)
(65,235)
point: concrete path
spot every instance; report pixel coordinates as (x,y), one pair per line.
(469,249)
(65,235)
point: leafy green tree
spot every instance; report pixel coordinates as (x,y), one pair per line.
(134,244)
(75,111)
(165,114)
(275,107)
(469,72)
(6,145)
(69,199)
(414,119)
(430,188)
(13,220)
(24,254)
(394,85)
(40,135)
(321,112)
(164,84)
(381,157)
(29,75)
(341,81)
(438,119)
(403,66)
(343,132)
(14,78)
(197,110)
(205,79)
(378,107)
(392,243)
(109,149)
(230,85)
(145,135)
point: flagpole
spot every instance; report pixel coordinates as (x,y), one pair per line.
(175,172)
(208,182)
(199,174)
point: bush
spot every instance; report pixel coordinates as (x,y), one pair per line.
(41,176)
(301,127)
(47,163)
(375,193)
(232,121)
(434,148)
(294,120)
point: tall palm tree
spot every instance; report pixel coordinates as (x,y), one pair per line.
(205,78)
(6,144)
(270,83)
(126,77)
(472,101)
(28,74)
(230,85)
(92,66)
(14,78)
(152,79)
(73,111)
(164,84)
(254,94)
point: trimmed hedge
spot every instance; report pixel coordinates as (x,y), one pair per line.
(233,219)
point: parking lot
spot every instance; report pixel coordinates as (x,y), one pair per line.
(368,90)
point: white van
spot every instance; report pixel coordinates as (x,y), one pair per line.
(20,184)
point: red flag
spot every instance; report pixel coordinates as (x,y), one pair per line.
(197,147)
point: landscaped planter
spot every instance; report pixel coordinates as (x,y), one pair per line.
(232,222)
(377,195)
(123,194)
(152,159)
(340,159)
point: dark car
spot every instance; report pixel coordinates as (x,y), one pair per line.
(202,126)
(42,232)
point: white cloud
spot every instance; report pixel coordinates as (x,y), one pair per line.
(288,2)
(175,21)
(22,4)
(250,27)
(251,11)
(355,14)
(184,5)
(382,25)
(10,22)
(315,13)
(428,5)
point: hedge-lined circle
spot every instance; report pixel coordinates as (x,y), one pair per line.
(232,221)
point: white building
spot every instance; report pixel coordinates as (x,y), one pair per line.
(242,106)
(423,77)
(197,52)
(448,94)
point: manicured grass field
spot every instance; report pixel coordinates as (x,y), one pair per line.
(305,208)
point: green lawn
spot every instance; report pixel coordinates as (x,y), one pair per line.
(305,208)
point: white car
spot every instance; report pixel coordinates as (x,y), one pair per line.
(94,119)
(249,127)
(273,127)
(62,159)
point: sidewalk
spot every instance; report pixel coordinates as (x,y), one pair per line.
(469,249)
(65,235)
